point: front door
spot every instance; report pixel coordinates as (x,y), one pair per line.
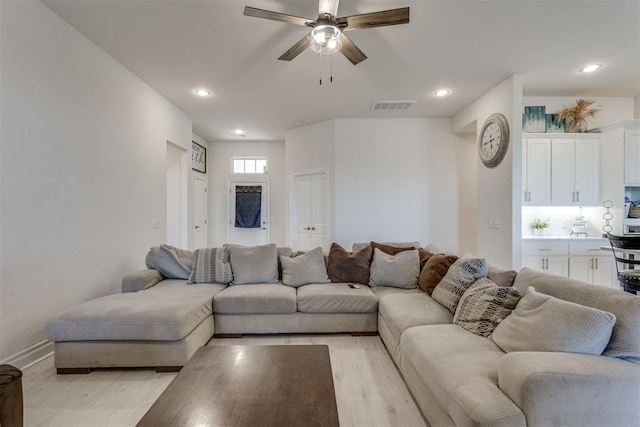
(248,221)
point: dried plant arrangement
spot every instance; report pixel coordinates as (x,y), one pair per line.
(577,115)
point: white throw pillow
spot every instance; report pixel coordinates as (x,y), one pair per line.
(544,323)
(398,271)
(304,269)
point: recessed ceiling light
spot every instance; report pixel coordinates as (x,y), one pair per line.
(238,132)
(202,92)
(441,92)
(590,68)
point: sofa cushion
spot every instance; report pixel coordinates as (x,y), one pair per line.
(460,370)
(381,291)
(625,339)
(260,298)
(211,265)
(434,270)
(346,267)
(336,298)
(462,274)
(501,276)
(545,323)
(254,264)
(405,310)
(389,249)
(304,269)
(400,270)
(359,246)
(168,311)
(171,262)
(484,305)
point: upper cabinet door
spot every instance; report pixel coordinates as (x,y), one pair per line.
(563,172)
(537,172)
(587,176)
(632,157)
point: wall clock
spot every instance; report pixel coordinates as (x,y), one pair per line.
(494,140)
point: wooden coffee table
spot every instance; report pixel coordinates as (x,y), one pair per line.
(280,385)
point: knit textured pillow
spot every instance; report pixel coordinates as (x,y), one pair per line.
(484,305)
(460,276)
(211,266)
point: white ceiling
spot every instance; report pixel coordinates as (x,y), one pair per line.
(176,46)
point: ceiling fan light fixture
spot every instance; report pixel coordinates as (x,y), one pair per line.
(326,39)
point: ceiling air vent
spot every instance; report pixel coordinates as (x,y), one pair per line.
(392,105)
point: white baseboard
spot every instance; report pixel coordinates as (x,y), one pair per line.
(30,356)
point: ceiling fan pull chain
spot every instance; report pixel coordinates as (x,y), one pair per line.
(331,68)
(320,70)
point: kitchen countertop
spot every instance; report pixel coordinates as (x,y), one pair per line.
(563,237)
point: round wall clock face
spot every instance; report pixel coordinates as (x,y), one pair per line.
(494,140)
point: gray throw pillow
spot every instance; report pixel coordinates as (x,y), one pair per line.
(484,305)
(544,323)
(211,266)
(304,269)
(254,264)
(398,271)
(460,276)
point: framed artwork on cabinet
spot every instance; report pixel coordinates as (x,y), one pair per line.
(533,120)
(554,124)
(198,157)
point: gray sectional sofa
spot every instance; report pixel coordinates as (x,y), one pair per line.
(456,377)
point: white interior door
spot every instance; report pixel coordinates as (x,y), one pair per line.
(248,222)
(310,211)
(200,213)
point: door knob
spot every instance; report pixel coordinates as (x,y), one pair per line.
(197,226)
(313,228)
(307,228)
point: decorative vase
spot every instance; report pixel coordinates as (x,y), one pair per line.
(579,125)
(538,231)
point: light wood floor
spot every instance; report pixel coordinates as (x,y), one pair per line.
(369,388)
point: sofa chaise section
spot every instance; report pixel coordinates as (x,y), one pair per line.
(159,327)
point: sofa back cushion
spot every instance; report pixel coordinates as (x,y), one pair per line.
(304,269)
(254,264)
(460,276)
(171,262)
(625,339)
(347,267)
(544,323)
(398,271)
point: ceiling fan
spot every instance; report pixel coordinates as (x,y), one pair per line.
(327,34)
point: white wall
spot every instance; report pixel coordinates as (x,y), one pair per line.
(612,109)
(498,188)
(83,170)
(636,107)
(467,169)
(175,196)
(310,148)
(219,157)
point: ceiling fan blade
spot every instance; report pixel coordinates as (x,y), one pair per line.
(375,19)
(328,7)
(276,16)
(351,51)
(297,48)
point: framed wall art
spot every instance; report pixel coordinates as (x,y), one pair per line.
(198,157)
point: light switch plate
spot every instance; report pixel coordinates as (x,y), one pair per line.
(155,223)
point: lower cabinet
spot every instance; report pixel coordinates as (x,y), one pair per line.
(597,270)
(578,259)
(553,264)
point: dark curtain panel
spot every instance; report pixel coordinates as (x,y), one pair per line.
(248,206)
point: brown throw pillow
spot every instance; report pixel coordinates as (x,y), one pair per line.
(434,270)
(390,250)
(424,257)
(347,267)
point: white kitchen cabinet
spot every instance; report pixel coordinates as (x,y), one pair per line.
(561,170)
(553,264)
(548,255)
(536,167)
(575,172)
(632,157)
(588,263)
